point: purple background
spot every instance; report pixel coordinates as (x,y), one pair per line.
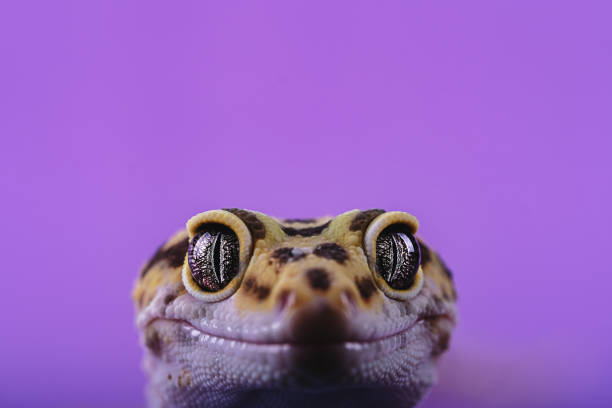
(489,121)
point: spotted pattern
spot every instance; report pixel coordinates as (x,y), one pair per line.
(366,287)
(174,255)
(318,278)
(286,254)
(261,292)
(305,232)
(364,218)
(331,250)
(254,224)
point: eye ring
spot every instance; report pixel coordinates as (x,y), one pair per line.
(237,226)
(376,227)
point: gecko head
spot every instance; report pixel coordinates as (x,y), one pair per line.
(300,305)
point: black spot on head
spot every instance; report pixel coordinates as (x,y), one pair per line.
(285,255)
(262,292)
(255,226)
(300,220)
(248,284)
(332,251)
(366,287)
(363,219)
(282,254)
(305,232)
(425,252)
(174,255)
(318,278)
(259,291)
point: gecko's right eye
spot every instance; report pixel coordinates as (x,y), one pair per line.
(213,257)
(220,246)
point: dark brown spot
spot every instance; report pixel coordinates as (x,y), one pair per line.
(286,254)
(318,278)
(255,226)
(366,287)
(331,251)
(184,379)
(169,376)
(300,220)
(174,255)
(248,284)
(282,254)
(442,344)
(262,292)
(259,291)
(425,252)
(445,269)
(363,219)
(153,341)
(305,232)
(169,298)
(440,335)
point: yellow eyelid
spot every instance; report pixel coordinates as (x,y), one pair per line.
(244,239)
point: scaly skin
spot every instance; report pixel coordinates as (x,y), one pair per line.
(280,335)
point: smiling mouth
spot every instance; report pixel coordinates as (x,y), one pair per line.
(337,338)
(313,363)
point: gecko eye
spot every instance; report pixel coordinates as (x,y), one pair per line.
(213,256)
(397,256)
(394,255)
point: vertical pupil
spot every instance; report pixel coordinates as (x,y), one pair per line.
(216,258)
(213,257)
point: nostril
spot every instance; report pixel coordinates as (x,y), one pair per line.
(348,301)
(285,299)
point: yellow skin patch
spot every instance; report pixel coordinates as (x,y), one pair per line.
(282,277)
(298,282)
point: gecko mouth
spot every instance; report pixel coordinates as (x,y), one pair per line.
(313,361)
(305,338)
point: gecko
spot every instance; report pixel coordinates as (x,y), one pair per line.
(241,309)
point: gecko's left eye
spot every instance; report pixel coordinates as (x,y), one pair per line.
(213,257)
(397,256)
(394,255)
